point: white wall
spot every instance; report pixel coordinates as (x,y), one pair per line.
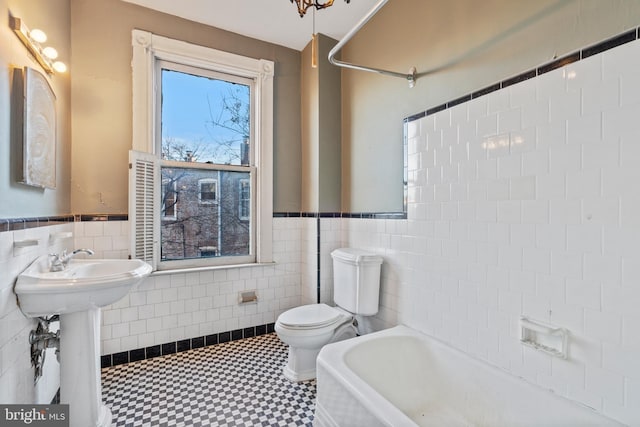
(525,202)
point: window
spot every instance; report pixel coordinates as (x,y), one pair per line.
(208,191)
(169,199)
(244,205)
(205,118)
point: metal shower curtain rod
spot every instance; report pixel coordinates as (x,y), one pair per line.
(410,77)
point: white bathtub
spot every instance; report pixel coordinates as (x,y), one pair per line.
(400,377)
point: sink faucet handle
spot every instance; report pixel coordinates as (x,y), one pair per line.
(59,257)
(56,262)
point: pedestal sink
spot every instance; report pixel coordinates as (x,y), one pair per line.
(76,294)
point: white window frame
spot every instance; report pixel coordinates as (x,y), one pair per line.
(215,192)
(150,48)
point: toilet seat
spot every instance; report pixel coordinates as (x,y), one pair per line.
(312,316)
(306,330)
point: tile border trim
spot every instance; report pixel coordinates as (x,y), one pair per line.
(623,38)
(115,359)
(13,224)
(358,215)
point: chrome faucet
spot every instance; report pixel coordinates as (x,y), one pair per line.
(60,261)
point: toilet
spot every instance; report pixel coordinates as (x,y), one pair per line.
(308,328)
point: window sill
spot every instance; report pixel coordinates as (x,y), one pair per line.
(210,268)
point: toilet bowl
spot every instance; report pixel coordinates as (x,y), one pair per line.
(308,328)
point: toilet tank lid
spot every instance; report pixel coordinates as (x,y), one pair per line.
(355,255)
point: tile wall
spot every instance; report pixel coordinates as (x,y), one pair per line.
(309,248)
(172,307)
(331,237)
(525,201)
(108,239)
(16,373)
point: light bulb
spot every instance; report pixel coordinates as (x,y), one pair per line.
(50,52)
(38,35)
(60,67)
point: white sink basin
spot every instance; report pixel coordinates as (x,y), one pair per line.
(84,284)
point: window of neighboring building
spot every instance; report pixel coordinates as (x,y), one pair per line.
(208,191)
(244,204)
(207,116)
(169,200)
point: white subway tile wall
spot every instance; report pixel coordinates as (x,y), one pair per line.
(309,247)
(331,238)
(16,373)
(525,202)
(108,239)
(172,307)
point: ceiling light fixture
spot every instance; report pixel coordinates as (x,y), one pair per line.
(32,40)
(303,5)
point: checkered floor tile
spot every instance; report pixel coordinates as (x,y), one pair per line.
(239,383)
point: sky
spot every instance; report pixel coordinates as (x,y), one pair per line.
(188,104)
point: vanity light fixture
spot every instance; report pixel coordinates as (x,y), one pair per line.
(33,39)
(303,5)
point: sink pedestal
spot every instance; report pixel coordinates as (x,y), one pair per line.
(80,385)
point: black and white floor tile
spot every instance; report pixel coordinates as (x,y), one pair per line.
(239,383)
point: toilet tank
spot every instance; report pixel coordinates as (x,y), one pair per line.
(356,280)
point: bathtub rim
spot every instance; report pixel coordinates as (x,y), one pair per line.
(333,355)
(332,359)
